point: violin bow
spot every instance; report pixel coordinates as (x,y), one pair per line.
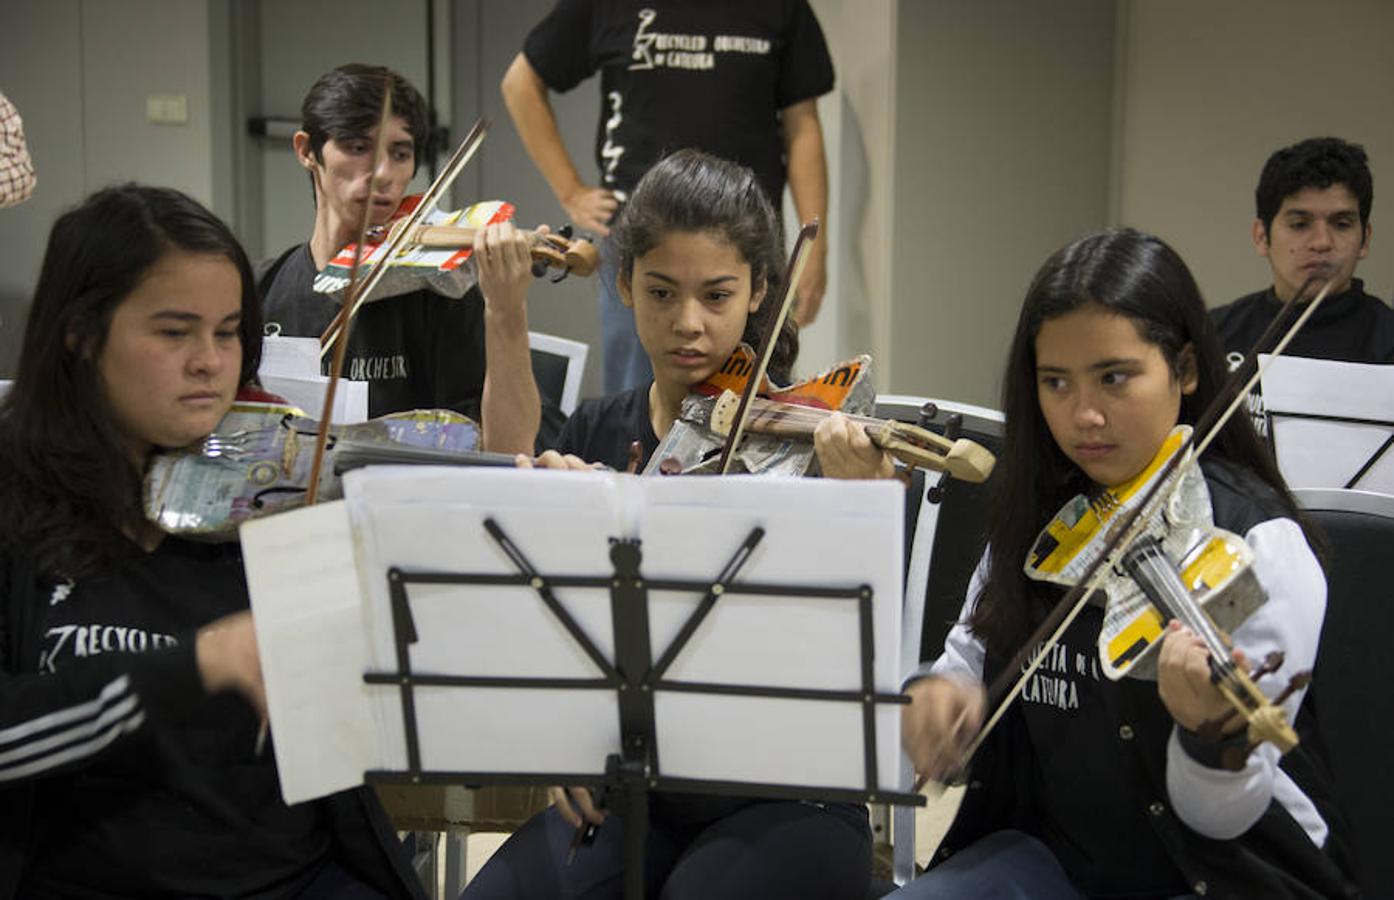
(798,258)
(1128,528)
(350,295)
(453,167)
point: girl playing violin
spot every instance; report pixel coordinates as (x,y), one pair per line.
(130,686)
(699,255)
(1091,787)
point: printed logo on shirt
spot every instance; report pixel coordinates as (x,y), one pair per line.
(377,368)
(78,641)
(61,590)
(611,151)
(698,52)
(1054,683)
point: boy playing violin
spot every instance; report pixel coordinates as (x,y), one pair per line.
(419,350)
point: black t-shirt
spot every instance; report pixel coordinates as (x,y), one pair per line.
(1349,327)
(601,430)
(1109,848)
(712,75)
(190,809)
(416,351)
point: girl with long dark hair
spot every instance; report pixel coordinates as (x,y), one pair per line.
(130,686)
(699,263)
(1098,788)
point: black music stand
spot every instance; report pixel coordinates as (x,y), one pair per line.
(1350,398)
(636,677)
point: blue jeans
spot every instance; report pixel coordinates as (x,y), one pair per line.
(776,849)
(624,363)
(1007,865)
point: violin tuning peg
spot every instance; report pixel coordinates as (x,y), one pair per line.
(1271,663)
(566,231)
(928,412)
(539,268)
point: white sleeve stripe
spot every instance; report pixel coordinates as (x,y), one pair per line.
(87,709)
(76,751)
(79,731)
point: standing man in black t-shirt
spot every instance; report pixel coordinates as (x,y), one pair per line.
(418,350)
(1313,218)
(737,78)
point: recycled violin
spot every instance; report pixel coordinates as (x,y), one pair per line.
(259,462)
(782,421)
(422,246)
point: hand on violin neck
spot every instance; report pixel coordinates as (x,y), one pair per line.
(503,264)
(940,723)
(590,208)
(1187,687)
(845,451)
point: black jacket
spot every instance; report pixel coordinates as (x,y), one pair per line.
(158,686)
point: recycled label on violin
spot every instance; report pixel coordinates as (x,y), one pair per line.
(441,270)
(691,446)
(826,390)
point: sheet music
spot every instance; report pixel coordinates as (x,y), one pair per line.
(817,533)
(1321,453)
(307,605)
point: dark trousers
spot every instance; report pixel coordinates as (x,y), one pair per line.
(767,850)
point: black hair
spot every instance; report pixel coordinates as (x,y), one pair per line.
(696,192)
(1135,275)
(67,490)
(345,104)
(1314,163)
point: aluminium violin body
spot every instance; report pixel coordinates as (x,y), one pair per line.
(258,462)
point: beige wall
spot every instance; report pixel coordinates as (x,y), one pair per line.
(1210,89)
(857,134)
(1003,112)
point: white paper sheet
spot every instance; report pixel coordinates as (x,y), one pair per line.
(297,357)
(307,392)
(1314,453)
(817,533)
(308,608)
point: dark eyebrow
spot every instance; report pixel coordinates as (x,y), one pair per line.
(710,282)
(1093,367)
(182,316)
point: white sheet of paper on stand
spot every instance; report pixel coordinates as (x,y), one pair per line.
(1318,453)
(817,533)
(308,607)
